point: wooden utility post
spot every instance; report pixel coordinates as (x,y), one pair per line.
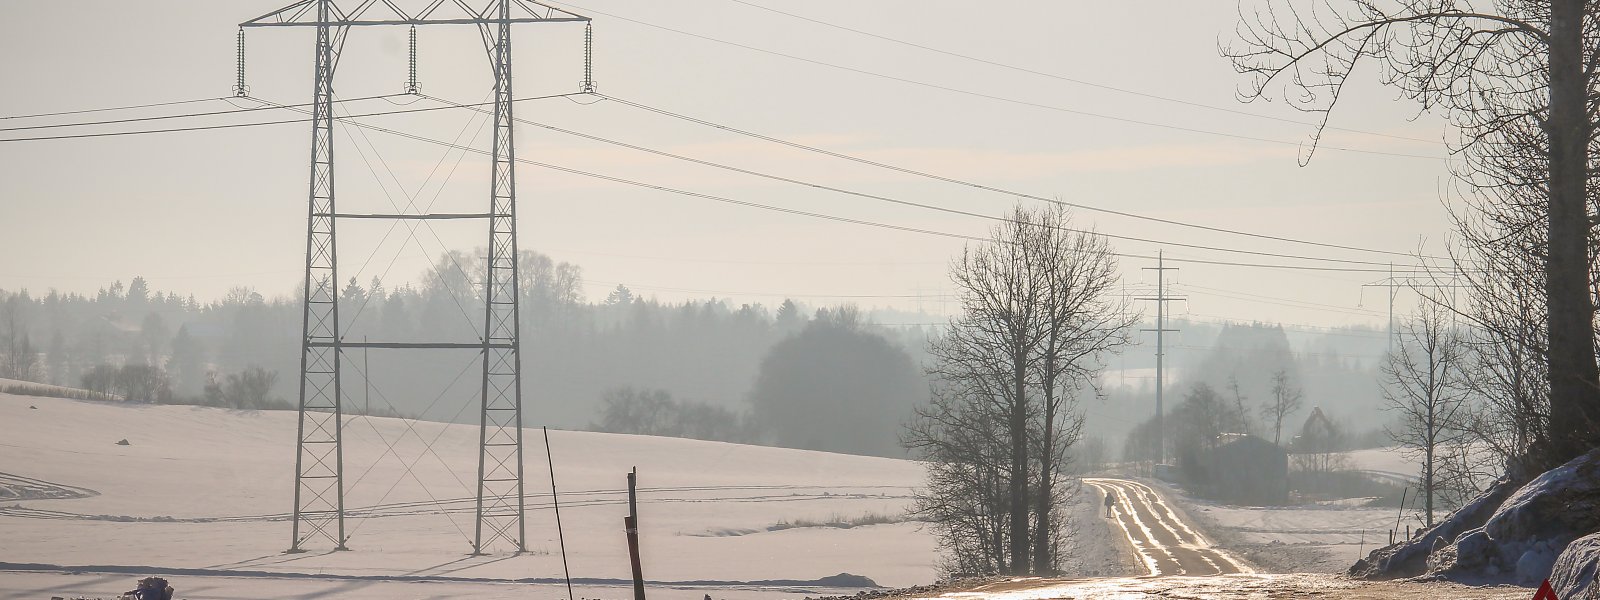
(631,522)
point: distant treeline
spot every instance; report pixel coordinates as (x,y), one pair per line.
(130,340)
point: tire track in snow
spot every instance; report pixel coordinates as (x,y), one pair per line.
(1164,542)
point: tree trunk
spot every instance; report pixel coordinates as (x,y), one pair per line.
(1019,464)
(1430,431)
(1047,444)
(1574,380)
(1427,481)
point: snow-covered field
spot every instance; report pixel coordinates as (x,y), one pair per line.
(205,488)
(1318,538)
(1321,537)
(1390,461)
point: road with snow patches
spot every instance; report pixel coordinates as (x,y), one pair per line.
(1163,542)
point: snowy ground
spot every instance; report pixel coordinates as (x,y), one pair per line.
(1389,462)
(1322,537)
(1225,587)
(208,489)
(1318,538)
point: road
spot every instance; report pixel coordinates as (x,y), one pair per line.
(1159,536)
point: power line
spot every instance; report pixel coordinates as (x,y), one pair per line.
(1249,297)
(1092,84)
(110,108)
(1004,98)
(989,188)
(723,199)
(183,116)
(824,216)
(450,104)
(881,198)
(736,169)
(254,124)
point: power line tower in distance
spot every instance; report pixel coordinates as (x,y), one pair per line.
(1161,299)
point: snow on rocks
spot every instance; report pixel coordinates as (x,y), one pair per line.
(1574,575)
(1515,536)
(1410,558)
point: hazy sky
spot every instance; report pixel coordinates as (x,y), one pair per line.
(199,212)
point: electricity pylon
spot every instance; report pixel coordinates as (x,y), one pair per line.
(1161,299)
(319,456)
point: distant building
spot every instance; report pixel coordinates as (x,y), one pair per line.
(1245,469)
(1318,434)
(1319,446)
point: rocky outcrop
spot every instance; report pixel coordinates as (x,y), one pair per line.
(1512,533)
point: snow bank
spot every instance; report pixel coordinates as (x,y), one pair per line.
(1409,558)
(1508,534)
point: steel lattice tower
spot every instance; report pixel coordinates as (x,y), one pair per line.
(500,497)
(319,458)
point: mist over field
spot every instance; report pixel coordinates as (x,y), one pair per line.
(711,354)
(745,300)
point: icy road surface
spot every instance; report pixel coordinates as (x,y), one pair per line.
(1160,538)
(1237,586)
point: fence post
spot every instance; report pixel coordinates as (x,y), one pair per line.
(632,523)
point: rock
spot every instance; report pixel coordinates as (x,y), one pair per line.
(1574,574)
(32,407)
(123,442)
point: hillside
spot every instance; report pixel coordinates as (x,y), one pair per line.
(206,488)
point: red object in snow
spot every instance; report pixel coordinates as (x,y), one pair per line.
(1545,592)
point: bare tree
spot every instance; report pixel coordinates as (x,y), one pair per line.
(1426,384)
(1038,314)
(994,342)
(1516,83)
(1286,400)
(1084,319)
(961,438)
(1238,404)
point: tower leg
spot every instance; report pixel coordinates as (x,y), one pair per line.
(319,450)
(500,507)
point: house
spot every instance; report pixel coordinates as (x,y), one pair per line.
(1245,469)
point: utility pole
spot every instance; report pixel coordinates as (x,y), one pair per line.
(319,458)
(1395,283)
(1161,298)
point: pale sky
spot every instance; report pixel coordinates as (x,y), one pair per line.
(200,212)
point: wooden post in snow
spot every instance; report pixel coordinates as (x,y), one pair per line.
(632,523)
